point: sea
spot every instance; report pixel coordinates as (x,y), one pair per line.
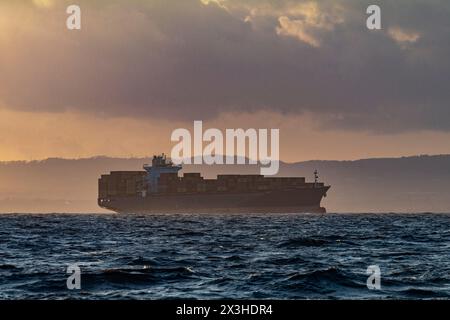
(270,256)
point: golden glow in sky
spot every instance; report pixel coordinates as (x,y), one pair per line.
(43,3)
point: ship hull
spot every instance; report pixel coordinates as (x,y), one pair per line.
(275,201)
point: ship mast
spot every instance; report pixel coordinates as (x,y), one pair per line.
(316,177)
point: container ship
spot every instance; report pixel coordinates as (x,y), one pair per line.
(160,189)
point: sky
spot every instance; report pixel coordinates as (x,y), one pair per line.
(139,69)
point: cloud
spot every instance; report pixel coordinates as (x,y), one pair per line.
(192,59)
(296,28)
(403,36)
(311,18)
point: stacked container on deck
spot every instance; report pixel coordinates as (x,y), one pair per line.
(130,183)
(121,183)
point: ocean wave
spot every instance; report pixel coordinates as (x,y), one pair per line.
(303,242)
(201,256)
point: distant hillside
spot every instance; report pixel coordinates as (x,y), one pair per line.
(409,184)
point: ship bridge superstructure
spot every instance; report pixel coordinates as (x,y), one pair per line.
(160,164)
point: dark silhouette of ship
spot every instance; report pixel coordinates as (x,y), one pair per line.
(159,189)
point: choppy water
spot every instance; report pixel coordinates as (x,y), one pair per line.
(219,256)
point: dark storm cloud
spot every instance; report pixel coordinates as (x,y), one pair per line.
(187,60)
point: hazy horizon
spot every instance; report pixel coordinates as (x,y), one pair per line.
(148,157)
(367,185)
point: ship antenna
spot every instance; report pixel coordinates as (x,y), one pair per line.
(316,177)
